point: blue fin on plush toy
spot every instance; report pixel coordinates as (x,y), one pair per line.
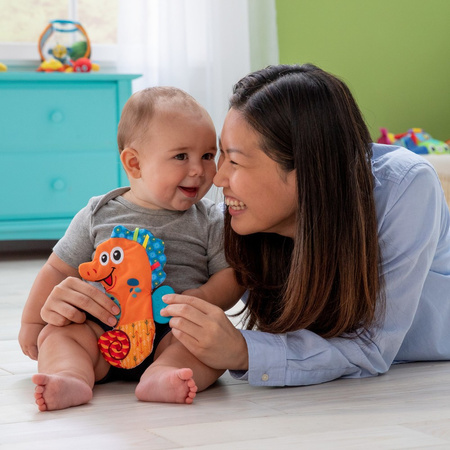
(158,303)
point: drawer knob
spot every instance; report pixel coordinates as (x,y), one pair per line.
(57,116)
(58,184)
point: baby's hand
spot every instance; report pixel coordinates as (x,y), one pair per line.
(28,335)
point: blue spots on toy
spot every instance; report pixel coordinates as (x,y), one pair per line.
(135,283)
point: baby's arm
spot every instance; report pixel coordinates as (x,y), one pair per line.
(221,289)
(52,273)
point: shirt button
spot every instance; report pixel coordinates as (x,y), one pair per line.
(265,377)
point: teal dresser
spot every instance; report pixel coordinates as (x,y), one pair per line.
(58,147)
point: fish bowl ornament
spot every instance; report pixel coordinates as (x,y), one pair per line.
(64,41)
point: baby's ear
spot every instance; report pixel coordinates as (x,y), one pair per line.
(130,162)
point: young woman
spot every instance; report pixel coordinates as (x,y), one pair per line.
(343,245)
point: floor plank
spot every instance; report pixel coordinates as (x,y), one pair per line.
(407,408)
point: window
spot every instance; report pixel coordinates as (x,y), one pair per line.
(21,24)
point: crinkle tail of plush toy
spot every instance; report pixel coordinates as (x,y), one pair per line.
(129,344)
(114,346)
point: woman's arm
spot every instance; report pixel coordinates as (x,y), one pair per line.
(410,224)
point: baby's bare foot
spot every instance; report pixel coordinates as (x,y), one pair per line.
(167,384)
(59,391)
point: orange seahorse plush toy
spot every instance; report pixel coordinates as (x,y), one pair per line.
(129,265)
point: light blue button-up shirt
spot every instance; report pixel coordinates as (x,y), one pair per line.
(413,227)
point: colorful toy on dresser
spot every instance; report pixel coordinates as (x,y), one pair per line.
(416,140)
(129,265)
(69,48)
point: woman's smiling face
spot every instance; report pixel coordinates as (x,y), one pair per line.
(259,195)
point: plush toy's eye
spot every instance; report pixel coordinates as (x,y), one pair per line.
(104,258)
(117,255)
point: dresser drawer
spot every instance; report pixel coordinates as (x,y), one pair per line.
(58,147)
(59,116)
(43,185)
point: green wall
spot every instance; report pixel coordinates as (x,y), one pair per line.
(393,54)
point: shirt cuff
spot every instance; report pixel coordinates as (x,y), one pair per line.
(266,359)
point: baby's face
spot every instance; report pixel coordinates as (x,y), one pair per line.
(177,159)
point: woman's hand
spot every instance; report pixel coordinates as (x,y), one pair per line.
(70,299)
(205,330)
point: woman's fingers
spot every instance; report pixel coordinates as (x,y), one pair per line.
(187,313)
(188,300)
(187,304)
(206,331)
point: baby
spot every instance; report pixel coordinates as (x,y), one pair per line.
(167,145)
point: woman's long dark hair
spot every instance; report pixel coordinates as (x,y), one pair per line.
(326,279)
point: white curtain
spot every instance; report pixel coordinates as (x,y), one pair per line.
(201,46)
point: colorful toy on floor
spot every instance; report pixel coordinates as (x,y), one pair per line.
(386,137)
(129,265)
(416,140)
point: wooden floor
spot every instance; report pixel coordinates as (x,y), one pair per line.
(407,408)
